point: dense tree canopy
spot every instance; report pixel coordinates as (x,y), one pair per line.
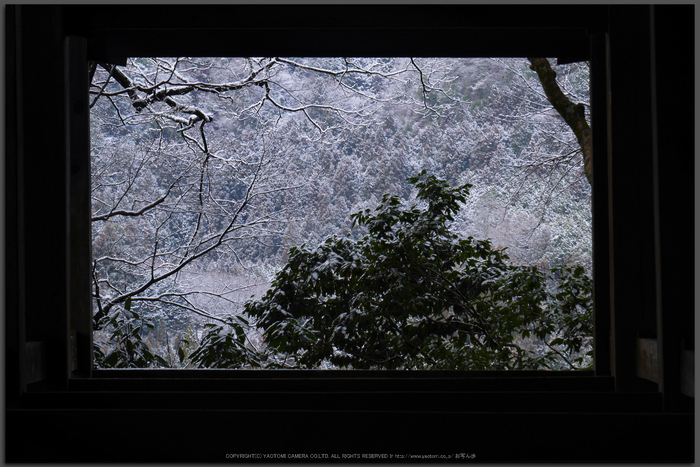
(411,294)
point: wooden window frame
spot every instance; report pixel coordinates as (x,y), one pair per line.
(377,35)
(637,130)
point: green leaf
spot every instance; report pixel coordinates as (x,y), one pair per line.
(127,304)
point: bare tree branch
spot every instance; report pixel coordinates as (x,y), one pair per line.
(573,114)
(184,186)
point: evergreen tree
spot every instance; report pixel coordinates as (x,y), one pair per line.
(411,294)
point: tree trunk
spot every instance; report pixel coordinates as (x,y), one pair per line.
(573,114)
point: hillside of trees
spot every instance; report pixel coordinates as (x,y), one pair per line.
(207,172)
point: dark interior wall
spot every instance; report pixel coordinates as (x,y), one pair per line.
(39,205)
(651,163)
(631,208)
(674,155)
(14,308)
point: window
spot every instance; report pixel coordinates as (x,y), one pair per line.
(205,171)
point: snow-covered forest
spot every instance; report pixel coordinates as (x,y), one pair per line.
(206,171)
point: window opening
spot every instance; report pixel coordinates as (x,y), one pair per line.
(207,171)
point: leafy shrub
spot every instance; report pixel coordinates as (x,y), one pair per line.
(411,294)
(129,350)
(224,346)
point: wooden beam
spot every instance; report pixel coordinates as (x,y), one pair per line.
(77,129)
(601,226)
